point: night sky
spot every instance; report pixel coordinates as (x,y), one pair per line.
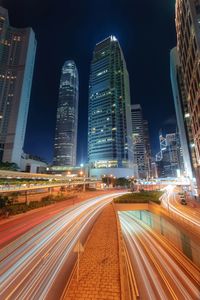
(69,30)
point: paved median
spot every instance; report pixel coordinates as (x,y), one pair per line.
(99,271)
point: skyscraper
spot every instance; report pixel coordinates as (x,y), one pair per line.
(138,140)
(188,47)
(182,113)
(17,57)
(169,159)
(148,159)
(109,121)
(65,145)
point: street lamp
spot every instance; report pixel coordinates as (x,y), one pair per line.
(84,184)
(107,181)
(69,180)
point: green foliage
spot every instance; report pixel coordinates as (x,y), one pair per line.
(49,198)
(8,166)
(62,197)
(13,181)
(17,208)
(7,200)
(7,204)
(23,207)
(13,197)
(4,200)
(141,197)
(107,180)
(123,182)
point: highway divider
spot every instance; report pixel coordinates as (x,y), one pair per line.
(129,289)
(192,269)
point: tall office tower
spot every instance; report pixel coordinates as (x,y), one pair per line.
(182,114)
(188,47)
(147,144)
(17,56)
(109,123)
(169,160)
(139,140)
(65,144)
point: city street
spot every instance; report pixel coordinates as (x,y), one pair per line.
(189,213)
(17,225)
(100,150)
(161,270)
(38,264)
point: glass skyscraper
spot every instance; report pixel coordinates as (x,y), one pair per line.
(148,158)
(17,57)
(182,112)
(65,145)
(109,121)
(139,140)
(170,158)
(188,48)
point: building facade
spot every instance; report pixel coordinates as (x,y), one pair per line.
(188,47)
(139,140)
(17,57)
(170,158)
(32,164)
(109,121)
(65,144)
(148,158)
(182,113)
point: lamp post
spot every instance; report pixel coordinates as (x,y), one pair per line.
(69,180)
(82,174)
(108,181)
(84,183)
(168,203)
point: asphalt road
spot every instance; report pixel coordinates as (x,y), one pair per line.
(189,213)
(38,263)
(161,270)
(17,225)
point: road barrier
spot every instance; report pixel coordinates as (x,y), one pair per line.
(129,289)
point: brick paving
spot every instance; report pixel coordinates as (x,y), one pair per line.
(99,276)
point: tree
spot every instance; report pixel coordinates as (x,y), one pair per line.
(4,200)
(122,181)
(9,166)
(107,180)
(13,197)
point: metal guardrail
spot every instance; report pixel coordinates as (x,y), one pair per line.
(188,265)
(171,213)
(129,289)
(133,289)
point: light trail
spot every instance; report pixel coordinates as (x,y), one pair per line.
(170,202)
(37,267)
(162,272)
